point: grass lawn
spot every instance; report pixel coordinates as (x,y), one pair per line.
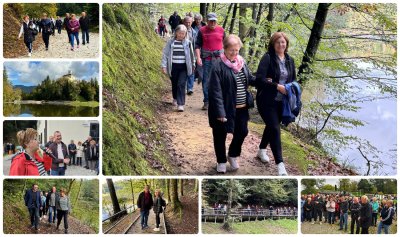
(253,227)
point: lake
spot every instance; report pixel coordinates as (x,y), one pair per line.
(48,110)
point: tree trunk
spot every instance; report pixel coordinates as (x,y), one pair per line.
(175,203)
(242,27)
(253,47)
(235,7)
(314,40)
(79,192)
(181,186)
(133,194)
(196,185)
(113,196)
(227,15)
(168,193)
(203,10)
(207,9)
(227,225)
(270,18)
(24,188)
(70,186)
(214,7)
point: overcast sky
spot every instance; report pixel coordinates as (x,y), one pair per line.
(32,73)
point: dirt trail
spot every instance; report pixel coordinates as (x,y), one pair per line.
(137,229)
(60,48)
(74,227)
(191,143)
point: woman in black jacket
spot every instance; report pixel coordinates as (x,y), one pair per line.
(276,68)
(158,205)
(228,110)
(365,215)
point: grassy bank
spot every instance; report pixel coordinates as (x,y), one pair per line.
(253,227)
(132,86)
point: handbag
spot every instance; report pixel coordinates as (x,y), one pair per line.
(249,100)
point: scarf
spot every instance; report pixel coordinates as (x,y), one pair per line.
(236,66)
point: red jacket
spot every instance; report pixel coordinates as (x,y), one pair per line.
(22,165)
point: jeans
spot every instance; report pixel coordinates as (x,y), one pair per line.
(374,218)
(34,214)
(85,36)
(205,82)
(272,116)
(190,82)
(385,227)
(331,217)
(46,38)
(239,134)
(354,220)
(73,35)
(178,81)
(59,29)
(52,214)
(72,156)
(144,216)
(60,215)
(343,220)
(60,171)
(29,46)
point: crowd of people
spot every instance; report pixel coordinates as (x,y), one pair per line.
(202,51)
(363,211)
(55,205)
(54,157)
(47,27)
(146,202)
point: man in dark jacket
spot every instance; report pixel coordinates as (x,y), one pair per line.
(47,29)
(34,205)
(59,153)
(145,203)
(344,215)
(66,25)
(355,214)
(51,198)
(318,208)
(84,22)
(86,145)
(174,21)
(59,24)
(72,152)
(365,215)
(308,209)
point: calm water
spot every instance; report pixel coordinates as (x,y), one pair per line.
(34,110)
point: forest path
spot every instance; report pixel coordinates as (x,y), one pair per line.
(191,142)
(60,48)
(72,170)
(137,229)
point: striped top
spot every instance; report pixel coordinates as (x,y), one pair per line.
(42,171)
(240,88)
(178,53)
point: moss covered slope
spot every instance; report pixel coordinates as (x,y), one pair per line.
(132,85)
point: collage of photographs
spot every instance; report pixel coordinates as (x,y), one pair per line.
(198,118)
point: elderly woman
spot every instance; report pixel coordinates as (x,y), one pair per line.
(178,63)
(387,215)
(276,68)
(73,26)
(29,161)
(365,215)
(158,205)
(228,102)
(63,206)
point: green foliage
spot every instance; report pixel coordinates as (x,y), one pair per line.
(283,226)
(34,10)
(9,93)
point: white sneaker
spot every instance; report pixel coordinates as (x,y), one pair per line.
(221,168)
(233,162)
(281,169)
(29,54)
(156,229)
(181,108)
(313,223)
(174,103)
(262,154)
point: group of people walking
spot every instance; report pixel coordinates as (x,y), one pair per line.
(146,202)
(205,50)
(47,27)
(363,212)
(55,205)
(55,156)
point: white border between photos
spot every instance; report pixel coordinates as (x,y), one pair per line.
(200,179)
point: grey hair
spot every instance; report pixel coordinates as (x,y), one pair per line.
(198,16)
(180,28)
(188,18)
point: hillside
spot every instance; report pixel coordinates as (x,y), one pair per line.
(25,89)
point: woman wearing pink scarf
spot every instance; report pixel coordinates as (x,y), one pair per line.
(229,102)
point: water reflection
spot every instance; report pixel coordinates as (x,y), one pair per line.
(35,110)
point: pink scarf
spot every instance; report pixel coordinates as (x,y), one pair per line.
(236,66)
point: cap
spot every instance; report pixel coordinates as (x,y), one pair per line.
(212,16)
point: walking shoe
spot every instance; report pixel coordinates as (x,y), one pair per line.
(83,43)
(72,48)
(29,54)
(262,154)
(156,229)
(320,223)
(47,49)
(205,106)
(221,168)
(233,162)
(181,108)
(281,169)
(190,92)
(174,102)
(66,231)
(77,46)
(312,223)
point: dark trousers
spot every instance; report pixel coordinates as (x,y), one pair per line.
(158,220)
(178,81)
(357,223)
(79,161)
(59,29)
(35,215)
(239,134)
(272,116)
(73,158)
(85,36)
(374,218)
(308,216)
(318,215)
(69,38)
(364,230)
(60,215)
(46,38)
(29,46)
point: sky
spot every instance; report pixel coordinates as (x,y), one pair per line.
(32,73)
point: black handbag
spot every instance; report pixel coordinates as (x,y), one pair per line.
(249,100)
